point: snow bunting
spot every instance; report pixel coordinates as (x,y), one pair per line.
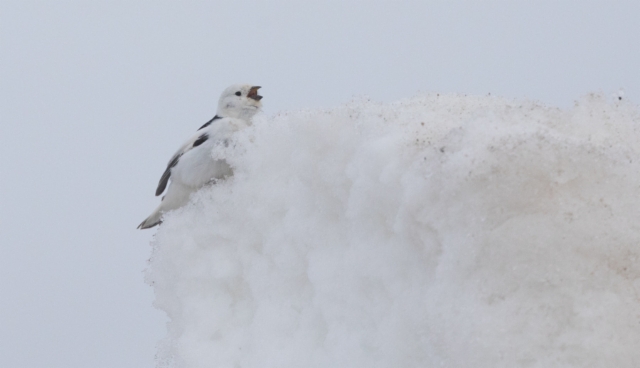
(192,166)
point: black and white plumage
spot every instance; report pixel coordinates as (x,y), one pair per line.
(193,166)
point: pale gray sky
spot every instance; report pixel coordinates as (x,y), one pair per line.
(95,97)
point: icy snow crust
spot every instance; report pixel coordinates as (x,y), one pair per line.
(438,231)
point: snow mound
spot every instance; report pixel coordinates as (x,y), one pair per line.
(438,231)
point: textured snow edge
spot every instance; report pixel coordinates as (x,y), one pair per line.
(436,231)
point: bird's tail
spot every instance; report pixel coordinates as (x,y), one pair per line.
(155,218)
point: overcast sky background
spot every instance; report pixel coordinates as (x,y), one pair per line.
(96,97)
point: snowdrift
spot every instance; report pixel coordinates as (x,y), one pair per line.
(438,231)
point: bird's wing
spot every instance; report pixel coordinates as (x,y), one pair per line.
(210,121)
(195,141)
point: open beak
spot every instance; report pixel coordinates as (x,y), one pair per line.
(253,93)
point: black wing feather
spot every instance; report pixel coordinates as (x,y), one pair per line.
(167,174)
(201,139)
(209,122)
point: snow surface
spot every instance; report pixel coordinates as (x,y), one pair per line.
(438,231)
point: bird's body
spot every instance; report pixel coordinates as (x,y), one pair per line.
(193,166)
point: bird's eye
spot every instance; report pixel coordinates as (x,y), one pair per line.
(238,93)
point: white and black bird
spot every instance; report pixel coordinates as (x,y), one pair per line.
(193,166)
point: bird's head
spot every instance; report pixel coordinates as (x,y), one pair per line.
(239,101)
